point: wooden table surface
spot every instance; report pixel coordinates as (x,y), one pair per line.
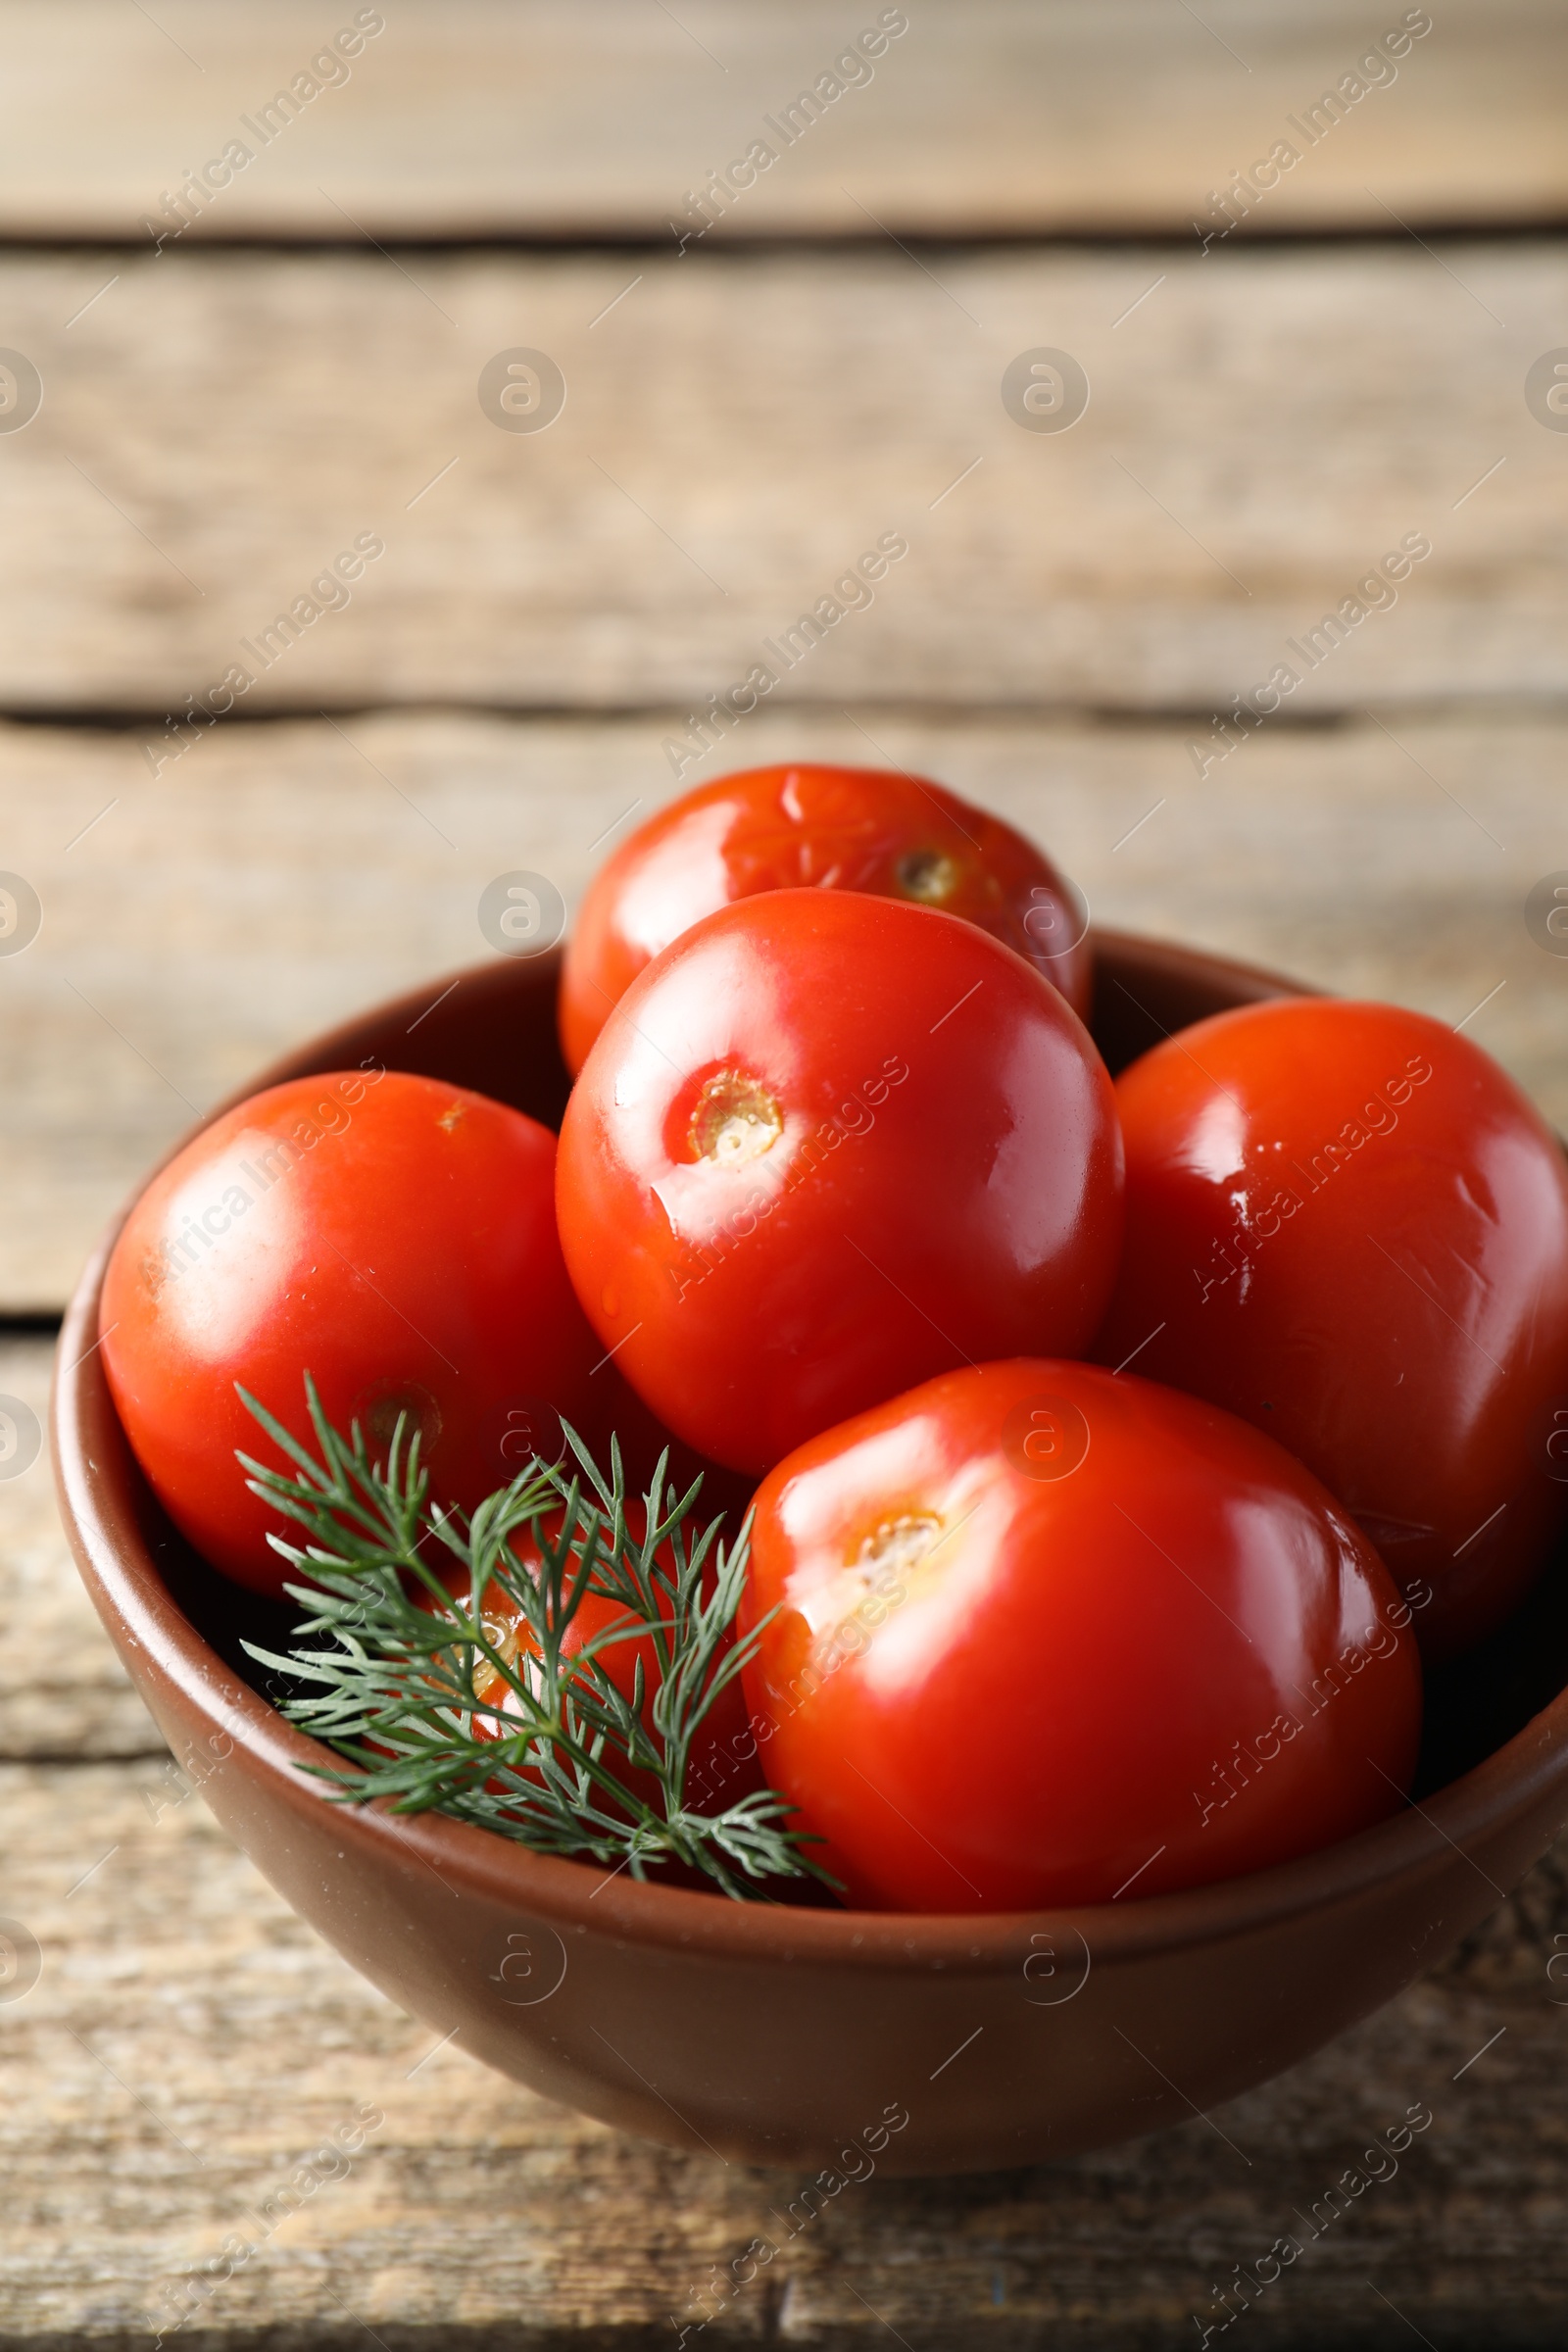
(512,680)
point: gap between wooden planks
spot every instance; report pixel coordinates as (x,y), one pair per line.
(220,433)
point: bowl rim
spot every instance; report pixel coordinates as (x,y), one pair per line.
(101,1493)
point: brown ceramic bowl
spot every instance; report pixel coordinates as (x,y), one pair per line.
(776,2035)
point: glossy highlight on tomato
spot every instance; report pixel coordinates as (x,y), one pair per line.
(391,1236)
(1348,1225)
(804,826)
(1050,1636)
(825,1145)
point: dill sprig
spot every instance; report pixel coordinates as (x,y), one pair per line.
(440,1706)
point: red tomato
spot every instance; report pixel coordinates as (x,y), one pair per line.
(834,829)
(827,1144)
(1348,1225)
(1051,1637)
(391,1236)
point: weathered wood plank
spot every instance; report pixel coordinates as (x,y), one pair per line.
(1263,429)
(63,1692)
(280,877)
(538,118)
(190,2049)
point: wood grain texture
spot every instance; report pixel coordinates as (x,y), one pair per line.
(1262,428)
(63,1692)
(190,2049)
(281,877)
(181,2080)
(536,117)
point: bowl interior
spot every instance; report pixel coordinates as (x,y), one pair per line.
(494,1030)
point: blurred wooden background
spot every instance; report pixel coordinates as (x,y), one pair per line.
(221,412)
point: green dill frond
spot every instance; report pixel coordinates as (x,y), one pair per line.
(436,1710)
